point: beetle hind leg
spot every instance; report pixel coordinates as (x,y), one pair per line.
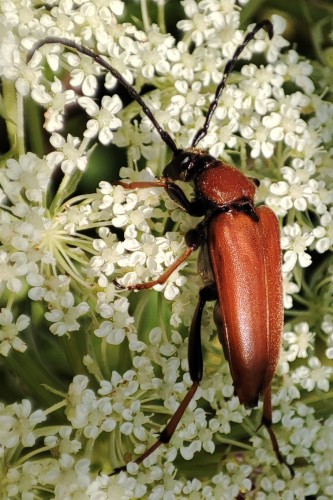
(195,359)
(266,421)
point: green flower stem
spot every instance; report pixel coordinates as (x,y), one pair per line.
(232,442)
(248,11)
(28,456)
(55,408)
(145,15)
(67,186)
(35,136)
(20,125)
(39,378)
(161,17)
(75,347)
(10,114)
(314,398)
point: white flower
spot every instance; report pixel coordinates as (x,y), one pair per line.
(289,289)
(278,42)
(64,315)
(299,342)
(104,119)
(14,266)
(68,153)
(29,177)
(115,329)
(83,76)
(313,375)
(196,23)
(299,71)
(17,424)
(60,99)
(261,142)
(9,331)
(295,242)
(324,233)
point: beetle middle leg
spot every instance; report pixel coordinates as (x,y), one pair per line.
(162,279)
(193,237)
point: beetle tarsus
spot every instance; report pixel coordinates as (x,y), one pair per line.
(117,470)
(276,448)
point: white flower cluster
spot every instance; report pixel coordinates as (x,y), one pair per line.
(63,255)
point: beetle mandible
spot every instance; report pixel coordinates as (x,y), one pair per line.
(239,260)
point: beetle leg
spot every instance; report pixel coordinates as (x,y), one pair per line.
(195,368)
(267,422)
(140,184)
(195,361)
(193,208)
(170,428)
(162,279)
(193,240)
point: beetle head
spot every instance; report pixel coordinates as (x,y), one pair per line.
(186,164)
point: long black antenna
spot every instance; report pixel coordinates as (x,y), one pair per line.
(267,25)
(102,62)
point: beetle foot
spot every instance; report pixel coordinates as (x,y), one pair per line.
(137,286)
(118,285)
(117,470)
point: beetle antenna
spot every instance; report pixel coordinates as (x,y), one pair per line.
(102,62)
(267,25)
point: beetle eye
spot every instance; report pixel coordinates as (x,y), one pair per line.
(185,161)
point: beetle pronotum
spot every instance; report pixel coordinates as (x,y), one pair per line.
(239,261)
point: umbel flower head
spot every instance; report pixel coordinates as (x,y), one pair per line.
(92,372)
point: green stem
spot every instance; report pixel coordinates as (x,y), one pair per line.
(35,136)
(67,186)
(10,113)
(145,15)
(161,17)
(232,442)
(313,398)
(34,377)
(249,10)
(20,125)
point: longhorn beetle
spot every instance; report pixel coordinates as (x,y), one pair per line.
(239,261)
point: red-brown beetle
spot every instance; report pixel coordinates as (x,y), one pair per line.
(239,261)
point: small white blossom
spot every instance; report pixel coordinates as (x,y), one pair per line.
(295,243)
(9,331)
(299,341)
(68,153)
(313,375)
(18,424)
(64,317)
(104,119)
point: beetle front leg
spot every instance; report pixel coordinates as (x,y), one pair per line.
(193,208)
(141,184)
